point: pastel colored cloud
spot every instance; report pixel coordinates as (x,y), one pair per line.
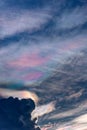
(76,44)
(50,38)
(71,112)
(31,60)
(43,109)
(18,62)
(79,122)
(22,21)
(32,76)
(20,94)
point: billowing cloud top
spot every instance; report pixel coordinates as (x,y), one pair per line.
(15,114)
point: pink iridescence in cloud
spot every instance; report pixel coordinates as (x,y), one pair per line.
(32,60)
(32,76)
(73,45)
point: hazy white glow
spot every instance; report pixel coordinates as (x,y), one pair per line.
(19,94)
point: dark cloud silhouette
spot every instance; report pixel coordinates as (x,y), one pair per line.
(15,114)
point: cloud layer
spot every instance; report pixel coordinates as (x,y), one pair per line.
(18,22)
(43,56)
(43,32)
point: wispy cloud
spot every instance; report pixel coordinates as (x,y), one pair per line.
(70,19)
(71,112)
(77,121)
(43,109)
(30,62)
(22,21)
(51,36)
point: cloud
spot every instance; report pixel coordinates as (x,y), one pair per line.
(81,119)
(20,94)
(72,112)
(33,62)
(39,53)
(79,123)
(22,21)
(15,114)
(33,76)
(70,19)
(43,109)
(47,41)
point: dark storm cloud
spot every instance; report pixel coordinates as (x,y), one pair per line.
(15,114)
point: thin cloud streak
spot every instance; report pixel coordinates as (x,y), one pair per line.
(22,21)
(43,109)
(37,43)
(70,19)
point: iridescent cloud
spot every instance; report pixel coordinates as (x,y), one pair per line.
(20,94)
(47,36)
(31,60)
(36,40)
(44,109)
(32,76)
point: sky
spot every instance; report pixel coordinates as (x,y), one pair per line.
(38,35)
(36,38)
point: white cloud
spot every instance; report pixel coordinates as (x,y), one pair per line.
(73,112)
(79,122)
(81,119)
(43,109)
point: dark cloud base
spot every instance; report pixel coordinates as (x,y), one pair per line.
(15,114)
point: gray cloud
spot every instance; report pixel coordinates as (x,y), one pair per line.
(22,21)
(70,19)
